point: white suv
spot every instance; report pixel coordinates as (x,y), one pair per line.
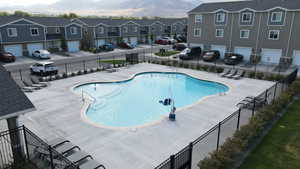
(44,68)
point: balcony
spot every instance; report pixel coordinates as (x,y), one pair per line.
(54,36)
(112,34)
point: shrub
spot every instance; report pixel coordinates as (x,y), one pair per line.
(220,69)
(259,75)
(251,74)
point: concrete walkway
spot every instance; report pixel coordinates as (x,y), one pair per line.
(58,115)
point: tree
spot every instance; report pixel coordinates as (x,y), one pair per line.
(69,16)
(21,13)
(4,14)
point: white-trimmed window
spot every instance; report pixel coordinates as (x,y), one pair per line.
(197,32)
(220,17)
(219,33)
(198,18)
(135,29)
(246,17)
(101,30)
(12,32)
(57,30)
(274,34)
(73,30)
(276,16)
(34,31)
(125,29)
(244,34)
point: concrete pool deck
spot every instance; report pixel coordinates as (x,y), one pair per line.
(58,115)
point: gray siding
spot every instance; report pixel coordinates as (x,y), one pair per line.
(131,30)
(99,34)
(157,29)
(70,36)
(23,32)
(53,35)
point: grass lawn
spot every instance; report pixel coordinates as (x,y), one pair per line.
(280,149)
(113,61)
(167,53)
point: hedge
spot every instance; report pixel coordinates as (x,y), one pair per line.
(228,153)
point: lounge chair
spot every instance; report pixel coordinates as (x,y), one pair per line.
(65,148)
(225,72)
(238,75)
(91,164)
(23,87)
(35,80)
(57,142)
(28,83)
(78,156)
(231,73)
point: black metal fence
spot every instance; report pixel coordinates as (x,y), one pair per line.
(22,149)
(197,150)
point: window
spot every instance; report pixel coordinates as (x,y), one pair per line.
(198,18)
(12,32)
(220,17)
(175,28)
(135,29)
(276,17)
(274,34)
(34,31)
(101,30)
(125,29)
(46,30)
(246,17)
(73,30)
(57,30)
(244,34)
(197,32)
(219,33)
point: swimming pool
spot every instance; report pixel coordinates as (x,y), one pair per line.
(136,102)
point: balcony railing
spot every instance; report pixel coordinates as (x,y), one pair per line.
(54,36)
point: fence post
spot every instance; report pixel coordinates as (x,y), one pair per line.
(275,90)
(266,96)
(238,122)
(99,62)
(219,132)
(190,154)
(66,68)
(51,157)
(20,71)
(26,142)
(84,65)
(172,162)
(253,109)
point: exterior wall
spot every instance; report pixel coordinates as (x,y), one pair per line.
(157,29)
(259,31)
(23,33)
(70,36)
(131,30)
(178,28)
(53,35)
(99,34)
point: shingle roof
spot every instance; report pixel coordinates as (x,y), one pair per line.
(106,21)
(170,21)
(259,5)
(46,21)
(12,99)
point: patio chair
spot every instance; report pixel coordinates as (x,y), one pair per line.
(231,73)
(238,75)
(65,148)
(35,80)
(78,156)
(28,83)
(225,72)
(57,142)
(91,164)
(23,87)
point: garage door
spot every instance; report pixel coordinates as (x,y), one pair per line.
(134,41)
(73,46)
(196,45)
(33,47)
(14,49)
(246,52)
(220,48)
(100,42)
(271,56)
(296,58)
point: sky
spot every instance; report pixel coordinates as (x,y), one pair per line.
(164,8)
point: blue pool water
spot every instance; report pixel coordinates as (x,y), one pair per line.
(136,102)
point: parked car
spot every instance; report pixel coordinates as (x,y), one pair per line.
(211,55)
(233,58)
(7,57)
(44,68)
(41,54)
(190,53)
(169,40)
(106,48)
(126,45)
(179,46)
(162,41)
(180,38)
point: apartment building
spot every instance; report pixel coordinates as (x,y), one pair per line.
(23,35)
(268,29)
